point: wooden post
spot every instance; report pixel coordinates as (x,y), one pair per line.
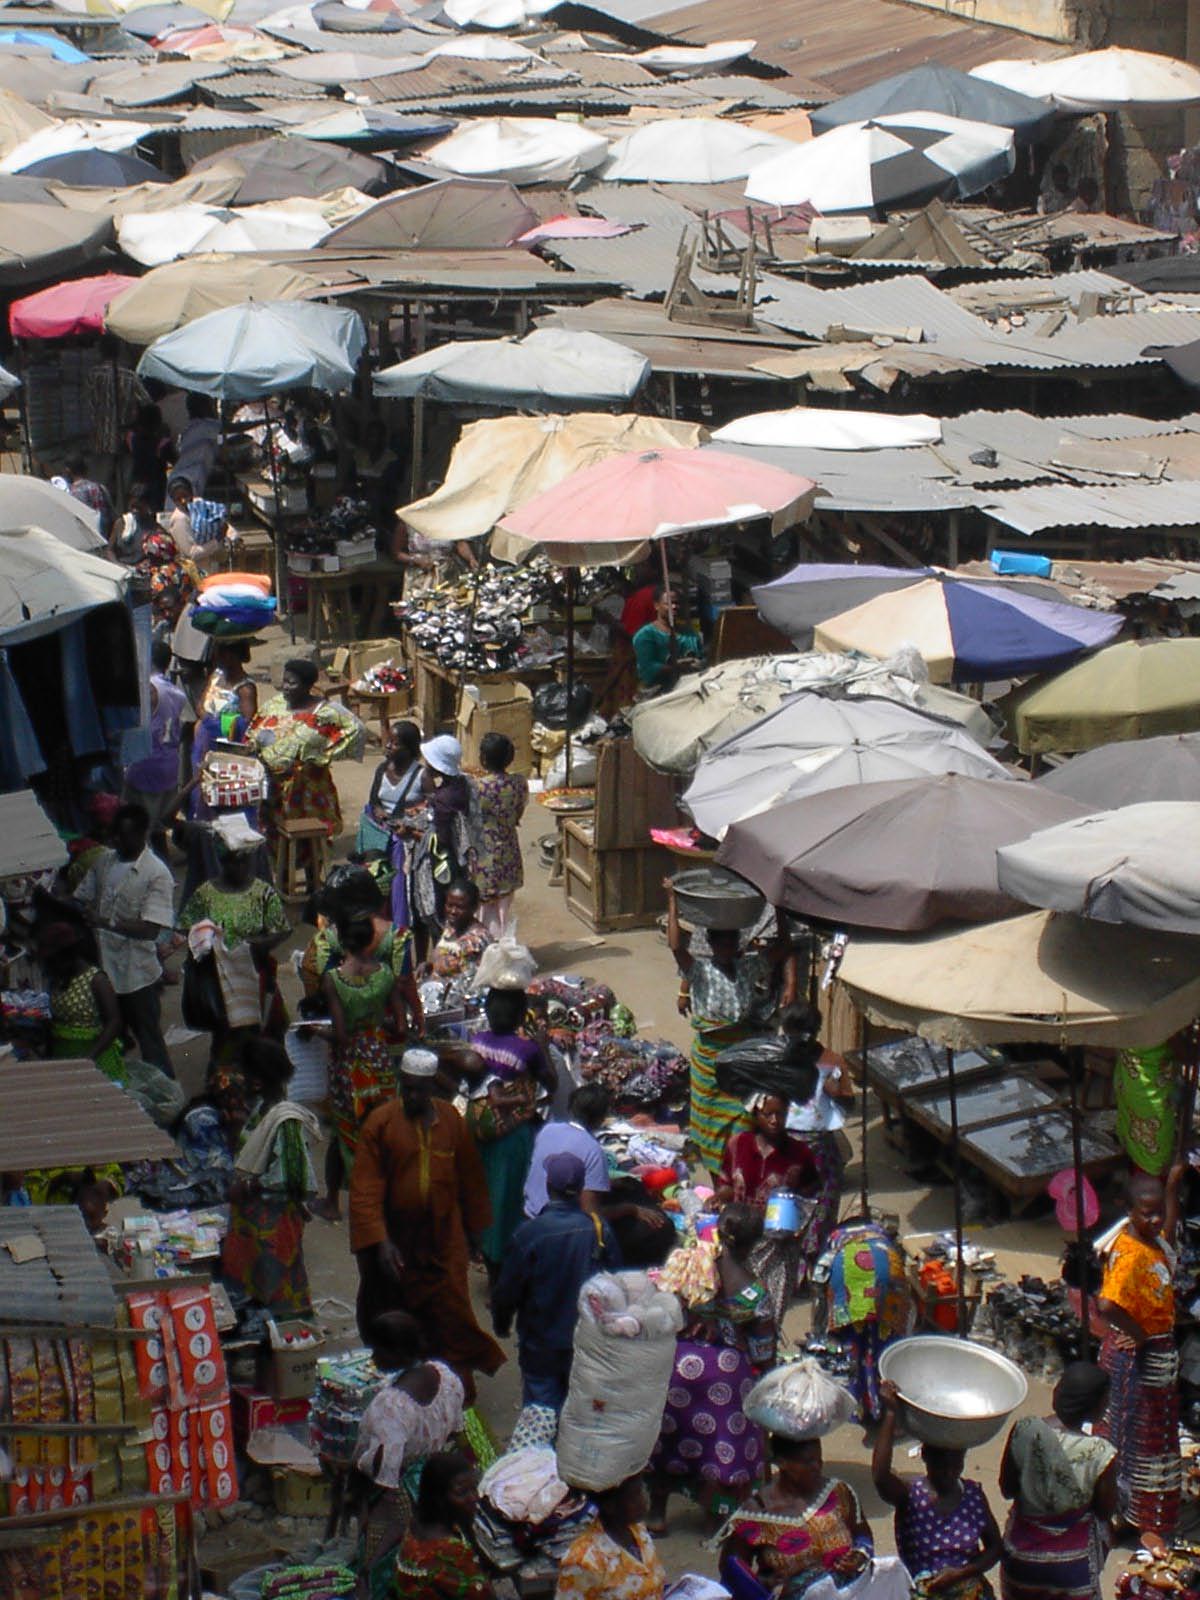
(960,1299)
(570,577)
(1074,1062)
(865,1186)
(418,416)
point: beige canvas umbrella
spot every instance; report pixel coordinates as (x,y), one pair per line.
(1130,691)
(43,582)
(500,464)
(1045,977)
(170,296)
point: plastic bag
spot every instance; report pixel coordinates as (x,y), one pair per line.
(201,1001)
(583,769)
(504,965)
(757,1066)
(799,1401)
(550,705)
(160,1097)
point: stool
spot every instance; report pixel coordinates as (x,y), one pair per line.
(291,856)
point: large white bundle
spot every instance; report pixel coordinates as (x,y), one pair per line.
(800,1401)
(624,1357)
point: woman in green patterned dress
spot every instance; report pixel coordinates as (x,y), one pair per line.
(83,1003)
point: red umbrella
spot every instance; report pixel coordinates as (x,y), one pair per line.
(604,512)
(77,306)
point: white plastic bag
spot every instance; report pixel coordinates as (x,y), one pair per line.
(504,965)
(619,1379)
(800,1401)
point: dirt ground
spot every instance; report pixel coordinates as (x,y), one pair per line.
(638,967)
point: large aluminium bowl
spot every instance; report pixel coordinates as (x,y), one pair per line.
(955,1393)
(712,897)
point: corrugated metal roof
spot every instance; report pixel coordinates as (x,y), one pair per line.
(849,44)
(68,1114)
(260,85)
(446,76)
(637,319)
(488,271)
(1139,507)
(67,1287)
(29,841)
(1061,288)
(911,301)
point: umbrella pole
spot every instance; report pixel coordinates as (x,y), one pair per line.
(282,609)
(462,672)
(570,577)
(961,1306)
(666,578)
(1074,1062)
(865,1194)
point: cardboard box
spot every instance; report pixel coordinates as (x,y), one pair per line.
(501,706)
(253,1410)
(300,1494)
(295,1347)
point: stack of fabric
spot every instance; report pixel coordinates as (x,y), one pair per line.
(233,605)
(527,1516)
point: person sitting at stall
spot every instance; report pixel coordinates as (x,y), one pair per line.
(804,1534)
(1139,1353)
(706,1446)
(758,1162)
(298,735)
(437,1559)
(416,1412)
(263,1251)
(549,1259)
(614,1558)
(945,1531)
(463,937)
(397,789)
(728,996)
(84,1009)
(662,649)
(502,1113)
(587,1111)
(1061,1477)
(200,528)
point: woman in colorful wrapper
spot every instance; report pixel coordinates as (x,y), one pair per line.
(263,1251)
(615,1558)
(869,1302)
(84,1011)
(437,1559)
(758,1162)
(297,735)
(804,1535)
(445,851)
(367,1008)
(464,938)
(945,1531)
(1062,1481)
(416,1412)
(1137,1300)
(707,1445)
(503,797)
(1146,1089)
(728,996)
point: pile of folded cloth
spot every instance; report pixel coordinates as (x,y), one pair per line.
(231,605)
(527,1516)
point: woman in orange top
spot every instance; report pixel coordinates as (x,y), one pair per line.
(1137,1300)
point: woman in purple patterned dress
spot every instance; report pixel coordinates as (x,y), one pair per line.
(503,796)
(946,1534)
(707,1446)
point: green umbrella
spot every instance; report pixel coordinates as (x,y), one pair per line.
(1132,690)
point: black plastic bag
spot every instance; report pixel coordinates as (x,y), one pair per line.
(201,1000)
(769,1065)
(550,706)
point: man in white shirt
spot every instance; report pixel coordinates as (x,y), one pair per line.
(129,898)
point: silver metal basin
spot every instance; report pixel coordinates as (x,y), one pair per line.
(955,1393)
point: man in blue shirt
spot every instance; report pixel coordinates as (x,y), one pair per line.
(550,1258)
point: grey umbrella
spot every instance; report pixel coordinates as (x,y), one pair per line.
(285,167)
(930,87)
(898,856)
(813,743)
(39,242)
(1131,771)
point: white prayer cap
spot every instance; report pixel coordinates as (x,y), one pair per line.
(419,1064)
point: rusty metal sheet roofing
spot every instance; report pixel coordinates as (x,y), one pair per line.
(29,841)
(446,76)
(849,44)
(910,301)
(68,1114)
(69,1286)
(255,86)
(1139,507)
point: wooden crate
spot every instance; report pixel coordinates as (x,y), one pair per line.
(612,890)
(631,798)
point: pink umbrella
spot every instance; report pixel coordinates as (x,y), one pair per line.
(77,306)
(605,512)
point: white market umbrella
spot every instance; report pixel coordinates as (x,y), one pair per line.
(154,238)
(333,67)
(690,150)
(247,352)
(1139,864)
(548,368)
(62,138)
(43,581)
(9,383)
(901,160)
(812,743)
(496,13)
(820,428)
(1101,80)
(33,503)
(519,149)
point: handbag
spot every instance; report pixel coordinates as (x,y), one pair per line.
(201,1001)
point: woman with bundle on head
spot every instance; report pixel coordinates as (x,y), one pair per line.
(707,1446)
(615,1558)
(1062,1480)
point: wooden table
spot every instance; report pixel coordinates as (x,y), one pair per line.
(436,687)
(338,614)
